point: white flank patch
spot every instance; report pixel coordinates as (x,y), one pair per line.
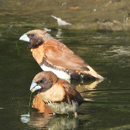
(63,107)
(60,74)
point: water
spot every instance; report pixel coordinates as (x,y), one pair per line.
(107,52)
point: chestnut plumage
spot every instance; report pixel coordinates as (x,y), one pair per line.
(39,104)
(57,93)
(52,55)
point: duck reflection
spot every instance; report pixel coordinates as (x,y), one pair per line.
(63,123)
(48,121)
(86,85)
(87,88)
(39,120)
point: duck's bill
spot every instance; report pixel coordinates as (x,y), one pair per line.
(25,38)
(34,87)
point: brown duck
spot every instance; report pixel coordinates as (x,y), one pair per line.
(57,93)
(52,55)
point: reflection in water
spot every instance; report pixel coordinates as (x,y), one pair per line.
(38,120)
(41,121)
(25,118)
(59,33)
(86,90)
(88,86)
(120,54)
(119,50)
(63,123)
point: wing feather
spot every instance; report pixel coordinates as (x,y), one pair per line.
(64,58)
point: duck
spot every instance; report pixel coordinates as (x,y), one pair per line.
(52,55)
(57,94)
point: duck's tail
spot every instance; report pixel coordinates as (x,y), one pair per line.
(90,72)
(88,100)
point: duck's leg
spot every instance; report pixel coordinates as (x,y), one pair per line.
(75,114)
(81,79)
(53,113)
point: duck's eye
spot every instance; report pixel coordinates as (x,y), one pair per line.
(31,35)
(40,81)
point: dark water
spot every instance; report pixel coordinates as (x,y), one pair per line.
(107,52)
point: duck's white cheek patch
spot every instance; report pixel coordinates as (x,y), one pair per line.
(59,73)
